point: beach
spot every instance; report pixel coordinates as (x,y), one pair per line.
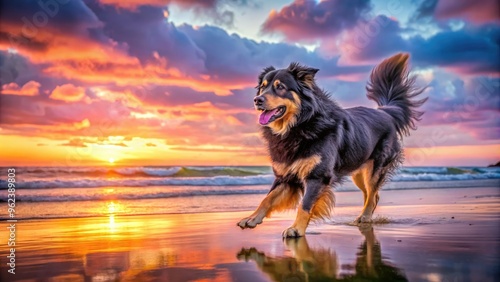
(418,235)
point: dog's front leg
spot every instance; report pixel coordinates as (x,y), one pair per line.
(278,190)
(298,228)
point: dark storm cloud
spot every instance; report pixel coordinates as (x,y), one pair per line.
(233,57)
(470,50)
(145,31)
(23,21)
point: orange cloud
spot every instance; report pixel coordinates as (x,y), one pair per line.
(68,93)
(137,74)
(76,56)
(83,124)
(75,143)
(30,88)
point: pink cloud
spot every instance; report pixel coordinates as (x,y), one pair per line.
(30,88)
(133,4)
(475,11)
(68,93)
(309,20)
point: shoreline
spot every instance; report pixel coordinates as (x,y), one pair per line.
(432,235)
(408,184)
(125,207)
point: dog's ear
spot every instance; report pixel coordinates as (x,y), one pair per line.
(303,74)
(263,73)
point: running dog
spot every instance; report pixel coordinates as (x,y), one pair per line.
(314,143)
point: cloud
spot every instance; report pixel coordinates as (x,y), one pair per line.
(308,20)
(120,144)
(34,26)
(134,4)
(63,34)
(165,55)
(247,57)
(466,51)
(477,12)
(83,124)
(371,41)
(469,50)
(68,93)
(99,75)
(425,10)
(470,105)
(75,143)
(31,88)
(215,11)
(17,68)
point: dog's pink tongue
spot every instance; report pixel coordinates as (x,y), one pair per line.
(266,116)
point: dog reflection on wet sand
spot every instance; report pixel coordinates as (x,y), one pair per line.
(322,264)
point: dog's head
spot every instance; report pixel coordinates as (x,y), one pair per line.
(286,97)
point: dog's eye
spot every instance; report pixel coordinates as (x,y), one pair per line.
(280,86)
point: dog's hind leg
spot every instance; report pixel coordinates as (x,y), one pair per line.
(357,178)
(282,196)
(370,179)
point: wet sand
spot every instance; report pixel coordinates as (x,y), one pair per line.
(432,235)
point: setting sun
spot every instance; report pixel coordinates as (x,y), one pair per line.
(111,160)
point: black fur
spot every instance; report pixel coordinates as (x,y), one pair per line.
(344,138)
(392,89)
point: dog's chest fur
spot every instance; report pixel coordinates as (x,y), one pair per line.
(291,157)
(300,168)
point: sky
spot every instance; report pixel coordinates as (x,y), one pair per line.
(171,82)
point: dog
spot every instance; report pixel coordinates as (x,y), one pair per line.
(314,143)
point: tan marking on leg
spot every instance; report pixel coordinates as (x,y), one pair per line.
(298,228)
(288,199)
(323,207)
(301,167)
(357,178)
(369,181)
(281,198)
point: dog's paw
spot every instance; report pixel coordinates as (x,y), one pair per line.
(363,219)
(292,232)
(249,222)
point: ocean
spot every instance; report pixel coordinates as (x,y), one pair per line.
(58,192)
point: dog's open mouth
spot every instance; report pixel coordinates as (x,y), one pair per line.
(268,116)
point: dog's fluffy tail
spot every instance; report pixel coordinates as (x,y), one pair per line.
(392,88)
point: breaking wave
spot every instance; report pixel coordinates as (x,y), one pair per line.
(93,177)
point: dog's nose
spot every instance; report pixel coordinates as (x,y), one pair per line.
(259,100)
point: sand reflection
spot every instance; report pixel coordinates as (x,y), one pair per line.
(322,264)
